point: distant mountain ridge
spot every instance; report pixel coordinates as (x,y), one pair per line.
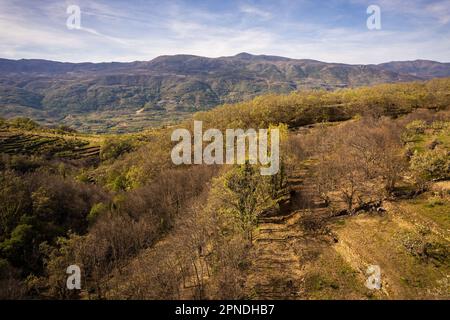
(425,69)
(169,85)
(419,68)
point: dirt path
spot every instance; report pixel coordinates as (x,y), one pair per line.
(278,269)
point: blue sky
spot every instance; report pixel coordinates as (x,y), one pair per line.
(332,31)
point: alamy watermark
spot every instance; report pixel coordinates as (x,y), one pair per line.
(74,19)
(236,151)
(374,20)
(373,281)
(74,279)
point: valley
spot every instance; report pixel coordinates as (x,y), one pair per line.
(215,159)
(362,181)
(128,97)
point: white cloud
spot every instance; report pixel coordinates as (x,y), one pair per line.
(254,11)
(440,10)
(123,33)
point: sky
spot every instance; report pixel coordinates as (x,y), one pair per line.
(130,30)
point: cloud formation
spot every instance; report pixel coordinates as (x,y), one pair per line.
(332,31)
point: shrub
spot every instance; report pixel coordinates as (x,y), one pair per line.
(113,148)
(431,165)
(23,123)
(24,164)
(63,129)
(413,129)
(439,125)
(96,210)
(434,201)
(417,126)
(19,248)
(433,144)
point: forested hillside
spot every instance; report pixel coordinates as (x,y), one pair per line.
(364,180)
(127,97)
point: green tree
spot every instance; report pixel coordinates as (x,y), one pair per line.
(244,194)
(431,165)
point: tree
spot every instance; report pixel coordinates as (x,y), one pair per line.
(11,208)
(360,161)
(244,194)
(431,165)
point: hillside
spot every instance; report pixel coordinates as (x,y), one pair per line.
(363,181)
(24,138)
(420,68)
(123,97)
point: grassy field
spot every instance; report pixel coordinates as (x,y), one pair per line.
(410,242)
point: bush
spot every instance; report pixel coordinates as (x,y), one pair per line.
(433,144)
(439,125)
(62,129)
(434,201)
(19,246)
(114,148)
(417,126)
(23,123)
(431,165)
(413,129)
(96,210)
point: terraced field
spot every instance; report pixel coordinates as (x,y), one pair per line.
(297,258)
(47,145)
(284,240)
(304,251)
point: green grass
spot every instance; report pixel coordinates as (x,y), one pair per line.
(422,141)
(333,278)
(439,214)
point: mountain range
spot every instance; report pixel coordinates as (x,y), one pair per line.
(167,87)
